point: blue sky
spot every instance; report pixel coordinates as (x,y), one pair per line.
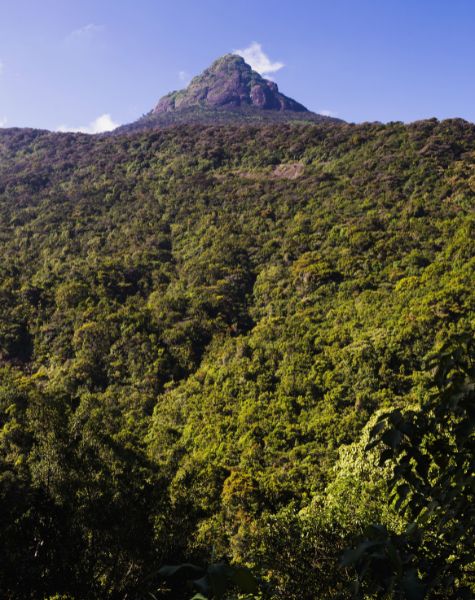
(90,63)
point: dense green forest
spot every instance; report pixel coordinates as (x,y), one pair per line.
(239,345)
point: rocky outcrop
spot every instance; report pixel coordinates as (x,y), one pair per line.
(229,83)
(229,92)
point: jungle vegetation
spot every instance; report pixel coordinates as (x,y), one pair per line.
(248,346)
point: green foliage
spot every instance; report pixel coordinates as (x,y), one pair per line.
(200,326)
(214,582)
(432,450)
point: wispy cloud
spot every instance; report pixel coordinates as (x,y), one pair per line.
(327,113)
(99,125)
(3,121)
(2,66)
(258,59)
(85,33)
(184,77)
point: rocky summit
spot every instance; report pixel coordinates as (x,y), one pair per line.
(229,91)
(229,83)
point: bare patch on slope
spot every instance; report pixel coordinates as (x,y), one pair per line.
(288,171)
(282,171)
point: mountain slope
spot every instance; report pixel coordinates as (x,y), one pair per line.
(195,323)
(229,91)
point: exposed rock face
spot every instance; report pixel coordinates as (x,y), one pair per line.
(229,83)
(227,93)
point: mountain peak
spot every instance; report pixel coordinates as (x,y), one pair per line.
(227,92)
(229,83)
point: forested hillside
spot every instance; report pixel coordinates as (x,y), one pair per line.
(244,344)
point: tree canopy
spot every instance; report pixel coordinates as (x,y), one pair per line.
(238,345)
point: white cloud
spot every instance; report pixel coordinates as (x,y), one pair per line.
(258,59)
(3,121)
(184,76)
(85,33)
(2,66)
(327,113)
(99,125)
